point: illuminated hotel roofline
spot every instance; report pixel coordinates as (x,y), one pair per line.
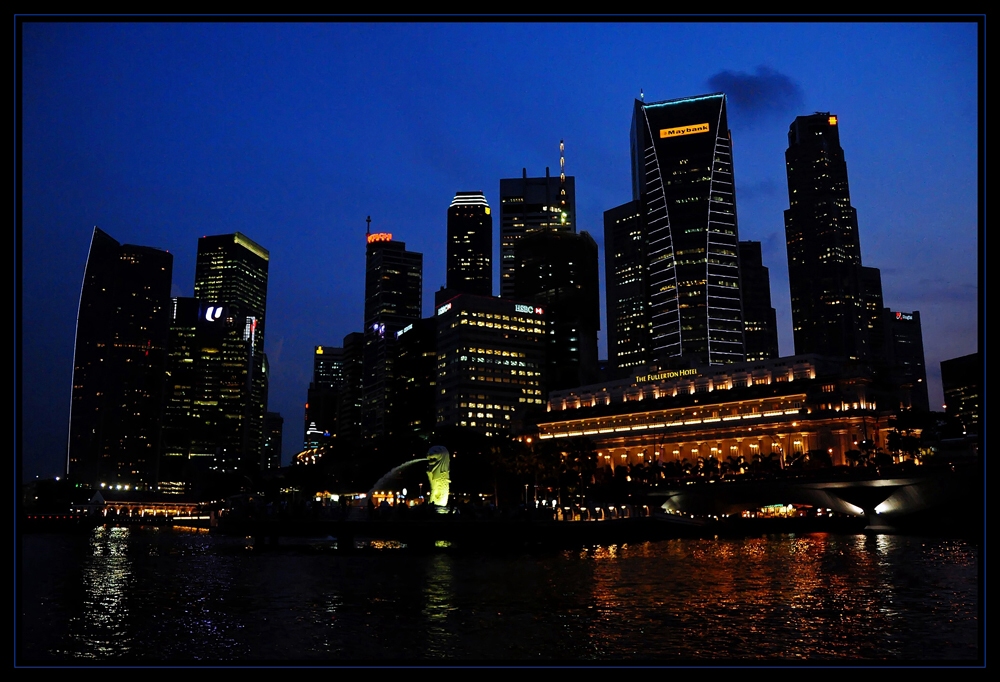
(712,378)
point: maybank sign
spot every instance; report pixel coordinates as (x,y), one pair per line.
(683,130)
(666,374)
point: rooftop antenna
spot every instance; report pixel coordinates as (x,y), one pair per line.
(562,173)
(368,230)
(641,95)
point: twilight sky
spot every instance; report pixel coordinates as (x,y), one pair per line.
(293,133)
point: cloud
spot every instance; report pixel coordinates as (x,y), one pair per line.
(764,94)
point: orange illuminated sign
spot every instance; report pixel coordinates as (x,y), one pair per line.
(683,130)
(380,237)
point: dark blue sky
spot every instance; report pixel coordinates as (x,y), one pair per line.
(293,133)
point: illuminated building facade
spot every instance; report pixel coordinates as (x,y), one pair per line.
(528,205)
(231,274)
(558,271)
(470,245)
(759,318)
(626,287)
(119,364)
(836,303)
(490,360)
(682,169)
(780,408)
(393,290)
(208,406)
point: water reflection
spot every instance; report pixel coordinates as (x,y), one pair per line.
(102,629)
(163,596)
(439,603)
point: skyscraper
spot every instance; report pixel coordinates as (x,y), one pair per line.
(530,204)
(759,317)
(470,245)
(490,358)
(626,287)
(682,169)
(393,290)
(835,301)
(119,364)
(904,355)
(558,271)
(231,275)
(323,397)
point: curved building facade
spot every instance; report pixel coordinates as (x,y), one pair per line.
(682,167)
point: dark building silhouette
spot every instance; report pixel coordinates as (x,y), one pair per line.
(231,274)
(119,365)
(349,409)
(414,392)
(836,303)
(626,288)
(273,426)
(559,272)
(490,360)
(393,290)
(962,381)
(759,318)
(323,396)
(527,205)
(682,169)
(470,245)
(904,358)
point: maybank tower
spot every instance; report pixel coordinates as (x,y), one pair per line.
(682,173)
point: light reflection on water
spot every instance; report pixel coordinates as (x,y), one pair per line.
(153,596)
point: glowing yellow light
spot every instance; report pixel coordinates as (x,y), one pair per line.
(380,237)
(833,120)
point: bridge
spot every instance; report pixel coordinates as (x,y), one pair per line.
(883,500)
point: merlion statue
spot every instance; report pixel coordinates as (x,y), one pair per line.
(438,471)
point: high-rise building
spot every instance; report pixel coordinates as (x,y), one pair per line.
(836,303)
(470,245)
(349,409)
(208,409)
(962,382)
(490,357)
(904,355)
(682,169)
(530,204)
(414,389)
(393,290)
(231,275)
(759,318)
(119,364)
(273,426)
(323,396)
(626,288)
(558,271)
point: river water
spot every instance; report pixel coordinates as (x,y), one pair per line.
(155,596)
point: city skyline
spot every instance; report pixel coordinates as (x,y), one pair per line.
(222,143)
